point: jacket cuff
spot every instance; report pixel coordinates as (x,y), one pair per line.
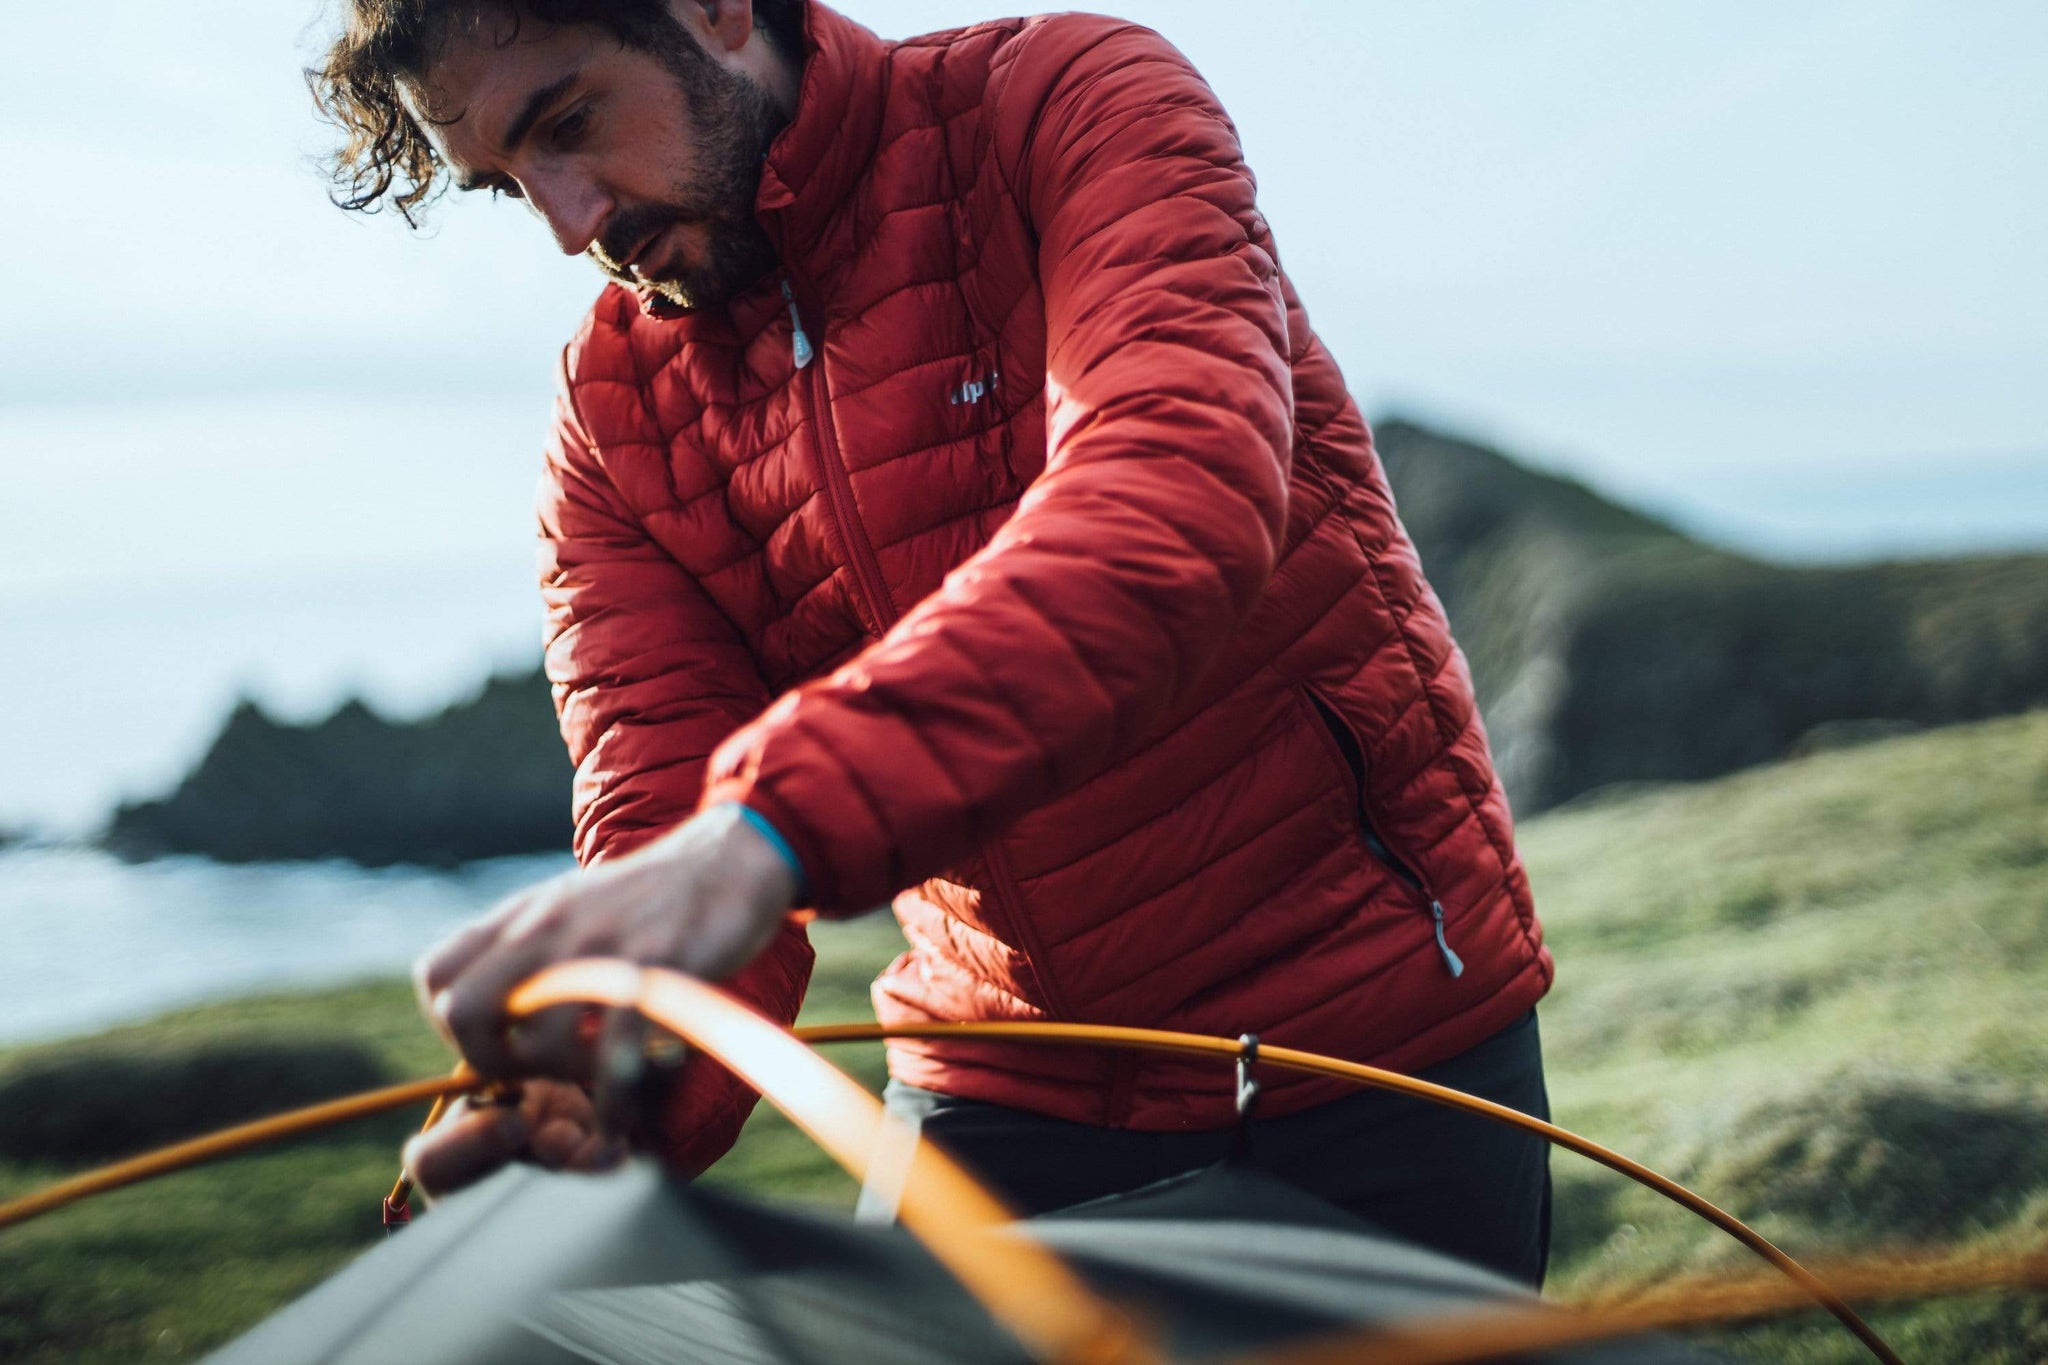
(823,887)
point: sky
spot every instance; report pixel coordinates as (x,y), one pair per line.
(1778,270)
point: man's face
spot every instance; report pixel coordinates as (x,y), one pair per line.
(645,161)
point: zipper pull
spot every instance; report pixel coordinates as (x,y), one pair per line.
(799,343)
(1452,963)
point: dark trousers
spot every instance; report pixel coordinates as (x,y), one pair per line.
(1453,1182)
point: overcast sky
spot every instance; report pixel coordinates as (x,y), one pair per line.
(1669,244)
(1779,268)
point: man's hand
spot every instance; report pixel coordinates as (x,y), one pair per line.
(552,1125)
(703,899)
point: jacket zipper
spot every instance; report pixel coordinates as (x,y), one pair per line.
(868,574)
(1354,758)
(860,555)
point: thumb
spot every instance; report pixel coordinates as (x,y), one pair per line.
(467,1145)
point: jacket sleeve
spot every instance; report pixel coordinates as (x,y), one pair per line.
(1148,538)
(648,676)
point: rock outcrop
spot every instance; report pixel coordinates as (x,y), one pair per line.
(485,777)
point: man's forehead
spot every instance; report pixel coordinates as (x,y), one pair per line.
(484,74)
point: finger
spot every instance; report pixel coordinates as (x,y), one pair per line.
(471,1010)
(564,1145)
(559,1042)
(554,1100)
(442,963)
(465,1146)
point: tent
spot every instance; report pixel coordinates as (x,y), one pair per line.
(633,1267)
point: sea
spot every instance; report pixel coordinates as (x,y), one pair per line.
(88,941)
(167,558)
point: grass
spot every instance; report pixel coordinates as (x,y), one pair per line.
(1812,991)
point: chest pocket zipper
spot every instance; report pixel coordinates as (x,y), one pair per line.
(1354,758)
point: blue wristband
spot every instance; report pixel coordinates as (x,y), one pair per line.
(762,827)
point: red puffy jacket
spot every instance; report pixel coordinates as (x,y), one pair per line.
(1018,553)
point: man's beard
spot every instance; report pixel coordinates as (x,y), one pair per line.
(735,121)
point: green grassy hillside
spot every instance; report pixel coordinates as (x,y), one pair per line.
(1814,991)
(1608,646)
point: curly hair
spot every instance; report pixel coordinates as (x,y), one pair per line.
(386,45)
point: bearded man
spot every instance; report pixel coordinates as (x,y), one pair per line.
(948,500)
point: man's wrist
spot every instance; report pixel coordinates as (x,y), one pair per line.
(772,836)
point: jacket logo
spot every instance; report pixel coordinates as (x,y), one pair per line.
(974,390)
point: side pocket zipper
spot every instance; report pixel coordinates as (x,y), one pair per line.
(1354,758)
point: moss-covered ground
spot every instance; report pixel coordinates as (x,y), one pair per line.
(1818,992)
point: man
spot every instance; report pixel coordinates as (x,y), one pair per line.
(948,500)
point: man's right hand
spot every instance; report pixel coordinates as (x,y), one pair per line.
(554,1124)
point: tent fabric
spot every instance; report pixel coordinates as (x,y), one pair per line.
(538,1268)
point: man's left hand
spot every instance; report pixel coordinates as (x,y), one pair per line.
(703,899)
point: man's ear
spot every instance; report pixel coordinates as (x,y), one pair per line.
(721,25)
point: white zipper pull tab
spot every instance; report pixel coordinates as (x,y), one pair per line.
(799,343)
(1452,963)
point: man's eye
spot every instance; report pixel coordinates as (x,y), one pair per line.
(570,128)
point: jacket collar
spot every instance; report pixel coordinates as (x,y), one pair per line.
(830,143)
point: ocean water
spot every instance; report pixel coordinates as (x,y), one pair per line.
(87,941)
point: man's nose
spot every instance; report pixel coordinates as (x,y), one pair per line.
(573,206)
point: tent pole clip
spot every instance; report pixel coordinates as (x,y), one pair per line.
(1247,1084)
(1247,1095)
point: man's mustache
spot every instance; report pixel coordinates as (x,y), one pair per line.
(629,230)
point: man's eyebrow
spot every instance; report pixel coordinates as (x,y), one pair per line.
(537,104)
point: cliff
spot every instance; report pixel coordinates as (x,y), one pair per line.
(485,777)
(1609,647)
